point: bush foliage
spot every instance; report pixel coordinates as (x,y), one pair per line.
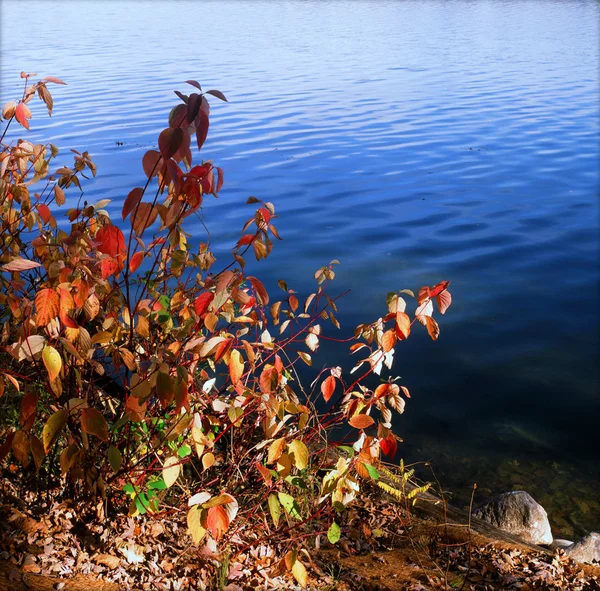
(141,371)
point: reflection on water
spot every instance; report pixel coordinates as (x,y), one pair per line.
(413,141)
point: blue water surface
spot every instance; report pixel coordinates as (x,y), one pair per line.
(413,141)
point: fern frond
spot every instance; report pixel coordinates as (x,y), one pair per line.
(397,494)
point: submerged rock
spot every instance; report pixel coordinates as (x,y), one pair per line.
(517,513)
(585,550)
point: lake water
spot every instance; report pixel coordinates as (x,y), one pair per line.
(413,141)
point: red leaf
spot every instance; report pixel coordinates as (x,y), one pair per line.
(443,300)
(93,423)
(220,179)
(110,240)
(260,290)
(28,406)
(169,141)
(22,114)
(202,302)
(194,83)
(247,239)
(151,163)
(44,212)
(217,521)
(193,106)
(53,79)
(422,295)
(266,214)
(134,197)
(361,421)
(109,266)
(7,445)
(438,289)
(202,123)
(177,116)
(328,387)
(136,261)
(388,445)
(218,94)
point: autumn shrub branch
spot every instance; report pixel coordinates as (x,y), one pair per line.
(209,415)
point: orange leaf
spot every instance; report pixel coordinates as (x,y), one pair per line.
(47,305)
(93,423)
(151,163)
(265,473)
(44,212)
(136,261)
(66,305)
(293,301)
(432,328)
(402,325)
(443,300)
(328,387)
(222,348)
(22,114)
(269,379)
(217,521)
(110,240)
(361,421)
(134,197)
(236,366)
(220,179)
(144,217)
(388,340)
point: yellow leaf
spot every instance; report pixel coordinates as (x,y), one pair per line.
(194,521)
(171,469)
(52,361)
(299,454)
(208,459)
(300,574)
(236,366)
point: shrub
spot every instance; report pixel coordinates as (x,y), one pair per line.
(141,371)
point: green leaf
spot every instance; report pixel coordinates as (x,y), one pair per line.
(372,471)
(157,485)
(289,504)
(274,509)
(114,458)
(184,451)
(349,450)
(128,488)
(334,533)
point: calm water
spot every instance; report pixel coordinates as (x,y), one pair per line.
(415,142)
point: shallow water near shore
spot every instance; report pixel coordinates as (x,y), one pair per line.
(414,142)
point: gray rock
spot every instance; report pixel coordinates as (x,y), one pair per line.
(585,550)
(517,513)
(563,544)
